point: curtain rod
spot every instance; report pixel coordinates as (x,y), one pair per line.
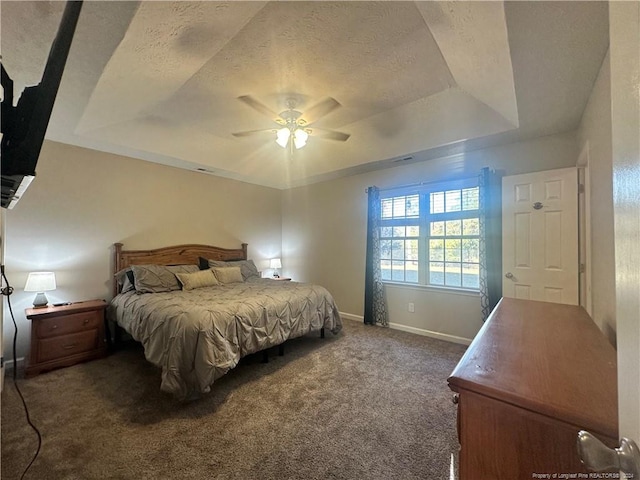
(418,184)
(366,190)
(409,185)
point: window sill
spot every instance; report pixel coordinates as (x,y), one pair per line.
(432,288)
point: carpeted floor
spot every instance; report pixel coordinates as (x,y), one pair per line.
(369,403)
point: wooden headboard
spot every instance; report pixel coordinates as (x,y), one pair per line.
(175,255)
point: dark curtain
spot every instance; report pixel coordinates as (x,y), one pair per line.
(375,308)
(490,185)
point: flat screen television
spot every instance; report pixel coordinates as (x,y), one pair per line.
(24,126)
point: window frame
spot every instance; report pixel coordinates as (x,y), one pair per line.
(425,218)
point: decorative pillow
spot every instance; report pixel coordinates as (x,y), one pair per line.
(202,278)
(125,280)
(247,267)
(159,278)
(228,274)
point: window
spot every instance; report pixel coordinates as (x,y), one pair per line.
(432,237)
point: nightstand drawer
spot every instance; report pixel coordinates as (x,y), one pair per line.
(64,335)
(76,322)
(66,345)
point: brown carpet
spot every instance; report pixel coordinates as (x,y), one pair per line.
(369,403)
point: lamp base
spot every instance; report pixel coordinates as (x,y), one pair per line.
(40,301)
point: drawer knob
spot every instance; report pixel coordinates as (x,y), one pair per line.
(456,398)
(86,320)
(54,327)
(69,347)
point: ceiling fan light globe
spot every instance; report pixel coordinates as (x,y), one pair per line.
(300,138)
(282,137)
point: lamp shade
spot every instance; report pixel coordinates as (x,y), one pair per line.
(300,138)
(282,137)
(40,282)
(275,263)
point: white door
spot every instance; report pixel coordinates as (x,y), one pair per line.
(624,30)
(540,236)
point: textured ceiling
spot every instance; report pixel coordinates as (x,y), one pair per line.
(160,80)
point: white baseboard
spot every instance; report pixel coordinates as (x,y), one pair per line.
(351,316)
(418,331)
(428,333)
(8,365)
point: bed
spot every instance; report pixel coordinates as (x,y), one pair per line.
(197,334)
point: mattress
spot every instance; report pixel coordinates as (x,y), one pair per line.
(196,336)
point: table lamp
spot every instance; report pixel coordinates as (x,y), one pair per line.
(40,282)
(275,263)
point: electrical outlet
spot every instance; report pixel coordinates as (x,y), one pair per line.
(411,307)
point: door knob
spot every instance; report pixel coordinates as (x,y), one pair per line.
(596,456)
(508,275)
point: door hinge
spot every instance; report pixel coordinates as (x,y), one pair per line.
(582,268)
(581,188)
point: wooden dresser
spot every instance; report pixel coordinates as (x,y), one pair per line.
(535,375)
(65,335)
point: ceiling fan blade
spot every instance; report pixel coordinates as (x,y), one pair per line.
(258,106)
(251,133)
(319,110)
(329,134)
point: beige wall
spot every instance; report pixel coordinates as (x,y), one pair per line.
(324,232)
(83,201)
(594,135)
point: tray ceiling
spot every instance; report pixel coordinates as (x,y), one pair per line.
(159,81)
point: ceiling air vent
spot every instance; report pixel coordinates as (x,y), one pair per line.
(403,159)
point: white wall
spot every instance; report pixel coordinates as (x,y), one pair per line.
(595,134)
(83,201)
(324,232)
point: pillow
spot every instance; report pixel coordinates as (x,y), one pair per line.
(202,278)
(228,274)
(159,278)
(183,268)
(248,269)
(125,280)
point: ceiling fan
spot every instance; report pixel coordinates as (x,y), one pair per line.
(295,127)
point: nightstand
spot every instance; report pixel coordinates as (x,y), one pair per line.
(66,335)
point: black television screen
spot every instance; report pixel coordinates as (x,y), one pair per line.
(24,125)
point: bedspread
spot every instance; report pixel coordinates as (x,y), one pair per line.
(197,336)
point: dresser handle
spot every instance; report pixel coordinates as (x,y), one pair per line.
(456,398)
(86,320)
(69,347)
(54,327)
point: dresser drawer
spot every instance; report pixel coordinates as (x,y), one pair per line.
(76,322)
(66,345)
